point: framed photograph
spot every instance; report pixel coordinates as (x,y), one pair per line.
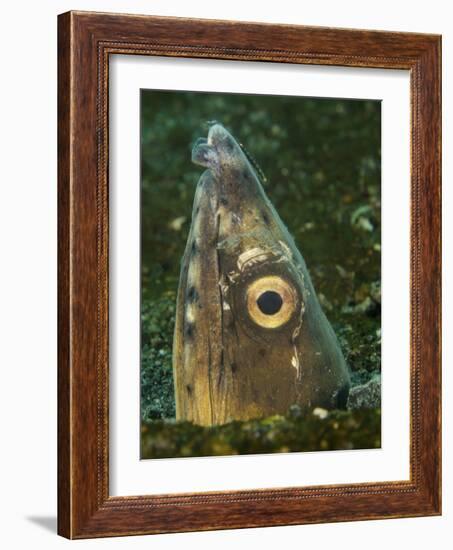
(249,275)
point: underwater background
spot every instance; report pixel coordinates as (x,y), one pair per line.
(322,167)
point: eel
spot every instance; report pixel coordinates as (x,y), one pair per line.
(250,336)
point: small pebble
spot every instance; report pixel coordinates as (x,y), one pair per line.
(320,413)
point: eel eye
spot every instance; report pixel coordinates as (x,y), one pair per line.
(271,301)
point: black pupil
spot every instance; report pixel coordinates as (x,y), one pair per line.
(270,302)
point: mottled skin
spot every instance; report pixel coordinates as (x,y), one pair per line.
(226,364)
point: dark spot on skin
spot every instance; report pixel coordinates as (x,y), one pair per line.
(197,210)
(236,173)
(189,389)
(266,218)
(228,145)
(342,397)
(194,248)
(262,352)
(189,330)
(246,174)
(271,400)
(192,294)
(223,201)
(234,368)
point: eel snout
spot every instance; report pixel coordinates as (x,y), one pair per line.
(218,149)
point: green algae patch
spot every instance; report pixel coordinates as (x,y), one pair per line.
(319,430)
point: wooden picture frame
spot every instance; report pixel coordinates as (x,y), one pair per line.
(85,42)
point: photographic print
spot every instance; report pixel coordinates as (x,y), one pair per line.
(260,274)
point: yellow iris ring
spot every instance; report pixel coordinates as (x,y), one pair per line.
(274,284)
